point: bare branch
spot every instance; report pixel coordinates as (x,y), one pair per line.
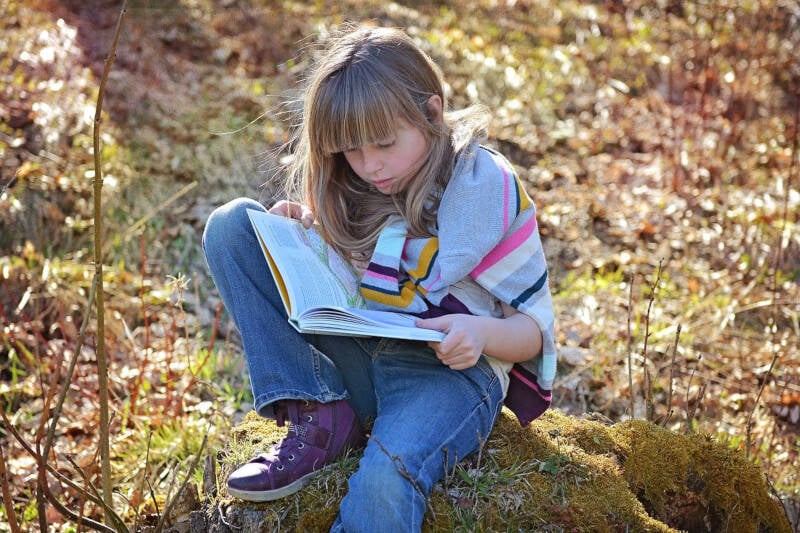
(102,362)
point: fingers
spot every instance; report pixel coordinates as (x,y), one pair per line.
(307,217)
(457,357)
(458,350)
(294,210)
(458,362)
(280,208)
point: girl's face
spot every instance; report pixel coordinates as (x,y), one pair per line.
(390,164)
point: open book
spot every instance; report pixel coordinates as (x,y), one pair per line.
(320,289)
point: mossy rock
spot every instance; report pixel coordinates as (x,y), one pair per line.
(558,474)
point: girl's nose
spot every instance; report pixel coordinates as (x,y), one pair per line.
(372,162)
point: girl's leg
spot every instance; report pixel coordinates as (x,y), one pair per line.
(429,418)
(282,363)
(291,378)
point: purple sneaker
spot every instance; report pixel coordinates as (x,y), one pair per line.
(318,434)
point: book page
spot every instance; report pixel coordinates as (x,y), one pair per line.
(313,274)
(366,322)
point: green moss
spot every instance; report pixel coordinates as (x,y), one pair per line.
(691,481)
(560,473)
(655,467)
(736,489)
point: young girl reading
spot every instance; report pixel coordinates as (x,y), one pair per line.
(439,226)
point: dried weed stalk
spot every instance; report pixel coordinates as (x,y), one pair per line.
(102,360)
(648,386)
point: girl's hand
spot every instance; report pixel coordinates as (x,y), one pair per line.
(513,338)
(294,210)
(464,339)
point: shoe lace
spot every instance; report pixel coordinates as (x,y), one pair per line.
(298,414)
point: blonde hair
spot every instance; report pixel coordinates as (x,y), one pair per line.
(368,80)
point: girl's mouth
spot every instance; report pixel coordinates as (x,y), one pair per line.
(382,184)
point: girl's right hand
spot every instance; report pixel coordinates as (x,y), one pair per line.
(294,210)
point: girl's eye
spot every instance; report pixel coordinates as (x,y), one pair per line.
(385,144)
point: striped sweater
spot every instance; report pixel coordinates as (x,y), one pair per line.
(487,250)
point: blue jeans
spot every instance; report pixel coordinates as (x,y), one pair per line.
(427,416)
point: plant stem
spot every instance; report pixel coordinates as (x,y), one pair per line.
(672,376)
(630,347)
(8,503)
(648,390)
(102,361)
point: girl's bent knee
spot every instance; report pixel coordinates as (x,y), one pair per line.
(228,220)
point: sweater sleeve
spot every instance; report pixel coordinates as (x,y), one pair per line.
(488,230)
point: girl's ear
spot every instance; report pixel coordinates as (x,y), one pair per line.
(434,108)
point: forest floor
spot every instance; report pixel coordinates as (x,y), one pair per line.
(660,145)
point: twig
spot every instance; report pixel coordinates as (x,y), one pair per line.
(778,497)
(58,475)
(144,480)
(749,425)
(215,329)
(648,391)
(672,376)
(48,394)
(8,503)
(102,361)
(96,497)
(689,413)
(51,432)
(693,411)
(146,327)
(47,399)
(136,226)
(178,494)
(630,346)
(401,467)
(64,511)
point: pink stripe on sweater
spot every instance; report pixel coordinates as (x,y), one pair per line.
(505,248)
(384,277)
(517,374)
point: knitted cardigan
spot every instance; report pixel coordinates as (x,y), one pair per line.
(486,250)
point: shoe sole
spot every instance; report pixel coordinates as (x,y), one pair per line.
(274,494)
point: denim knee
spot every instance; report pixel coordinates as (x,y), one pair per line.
(227,221)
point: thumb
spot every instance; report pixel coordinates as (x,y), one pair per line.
(306,216)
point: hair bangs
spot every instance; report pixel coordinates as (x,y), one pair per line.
(353,112)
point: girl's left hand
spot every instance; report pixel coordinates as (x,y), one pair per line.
(464,339)
(294,210)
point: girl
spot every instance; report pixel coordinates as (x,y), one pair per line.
(440,227)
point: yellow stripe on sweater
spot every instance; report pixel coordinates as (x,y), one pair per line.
(423,269)
(402,300)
